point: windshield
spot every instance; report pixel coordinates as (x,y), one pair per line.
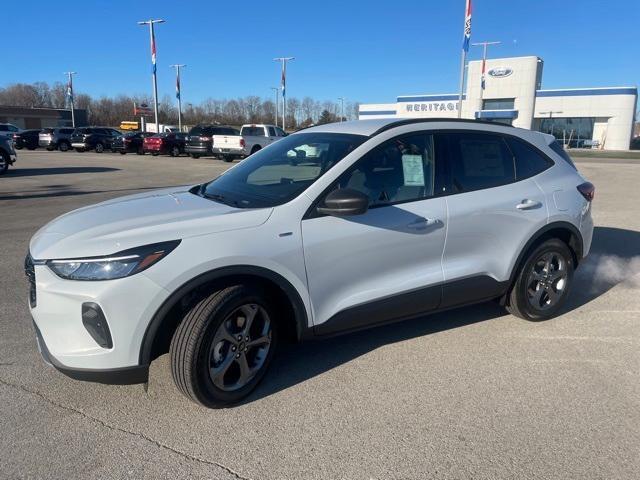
(277,174)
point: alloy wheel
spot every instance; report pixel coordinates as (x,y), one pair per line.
(240,347)
(547,281)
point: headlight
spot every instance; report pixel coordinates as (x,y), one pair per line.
(118,265)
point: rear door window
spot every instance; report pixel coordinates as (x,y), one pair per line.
(479,161)
(529,162)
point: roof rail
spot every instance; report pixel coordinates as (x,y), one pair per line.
(410,121)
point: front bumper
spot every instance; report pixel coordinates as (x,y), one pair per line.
(128,305)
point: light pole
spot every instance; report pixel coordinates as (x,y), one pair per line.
(275,91)
(341,108)
(152,37)
(484,61)
(283,83)
(178,94)
(70,96)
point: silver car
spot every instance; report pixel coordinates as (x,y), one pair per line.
(52,138)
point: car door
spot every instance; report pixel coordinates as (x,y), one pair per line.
(492,214)
(386,263)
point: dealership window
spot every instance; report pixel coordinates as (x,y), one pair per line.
(572,131)
(498,104)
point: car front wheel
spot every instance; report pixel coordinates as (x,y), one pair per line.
(543,283)
(4,162)
(99,148)
(224,345)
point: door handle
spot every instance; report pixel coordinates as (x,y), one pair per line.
(423,223)
(527,204)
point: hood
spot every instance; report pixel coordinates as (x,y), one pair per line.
(135,220)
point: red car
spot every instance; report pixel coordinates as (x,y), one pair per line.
(165,143)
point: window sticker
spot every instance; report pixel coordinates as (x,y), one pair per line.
(413,170)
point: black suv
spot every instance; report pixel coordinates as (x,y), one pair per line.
(26,139)
(7,154)
(130,142)
(200,141)
(93,138)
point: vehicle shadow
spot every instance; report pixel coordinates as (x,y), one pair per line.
(299,362)
(36,172)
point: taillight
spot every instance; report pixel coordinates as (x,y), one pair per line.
(242,144)
(588,190)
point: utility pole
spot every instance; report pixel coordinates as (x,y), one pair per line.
(341,108)
(152,37)
(178,93)
(70,96)
(283,83)
(484,62)
(275,91)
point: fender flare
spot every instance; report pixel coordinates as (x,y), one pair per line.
(541,233)
(301,319)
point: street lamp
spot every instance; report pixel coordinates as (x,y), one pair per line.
(283,82)
(341,108)
(178,93)
(275,91)
(152,37)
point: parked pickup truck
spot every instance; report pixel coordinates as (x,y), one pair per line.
(259,136)
(201,138)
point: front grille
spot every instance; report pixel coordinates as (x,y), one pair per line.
(30,272)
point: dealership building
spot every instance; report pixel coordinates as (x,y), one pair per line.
(513,94)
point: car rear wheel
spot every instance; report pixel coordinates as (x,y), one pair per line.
(224,345)
(175,151)
(227,158)
(4,163)
(122,152)
(195,155)
(99,148)
(255,149)
(64,146)
(543,283)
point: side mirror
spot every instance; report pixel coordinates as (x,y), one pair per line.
(343,202)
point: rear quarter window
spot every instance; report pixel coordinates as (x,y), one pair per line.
(528,160)
(556,147)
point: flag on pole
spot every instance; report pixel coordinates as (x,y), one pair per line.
(283,81)
(484,64)
(178,87)
(467,27)
(70,89)
(153,50)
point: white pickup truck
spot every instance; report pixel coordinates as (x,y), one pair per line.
(257,136)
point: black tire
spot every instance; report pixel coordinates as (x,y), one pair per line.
(140,151)
(535,280)
(227,158)
(192,346)
(99,148)
(4,162)
(79,149)
(255,149)
(195,155)
(155,154)
(64,146)
(122,152)
(175,151)
(17,147)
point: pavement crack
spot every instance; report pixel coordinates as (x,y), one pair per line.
(123,430)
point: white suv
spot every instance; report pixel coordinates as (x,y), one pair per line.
(335,228)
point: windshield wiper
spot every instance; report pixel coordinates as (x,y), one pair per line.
(216,197)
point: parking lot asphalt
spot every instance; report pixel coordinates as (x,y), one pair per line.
(470,393)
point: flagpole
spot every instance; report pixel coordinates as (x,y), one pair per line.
(283,82)
(465,49)
(484,63)
(151,24)
(179,93)
(70,95)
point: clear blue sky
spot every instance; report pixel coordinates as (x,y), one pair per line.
(365,50)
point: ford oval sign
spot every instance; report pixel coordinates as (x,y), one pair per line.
(499,72)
